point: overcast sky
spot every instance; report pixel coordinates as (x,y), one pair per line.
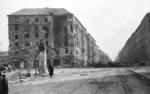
(110,22)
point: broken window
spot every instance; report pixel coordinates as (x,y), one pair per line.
(10,45)
(37,35)
(46,31)
(26,35)
(71,26)
(36,31)
(28,44)
(16,36)
(66,50)
(36,19)
(16,44)
(16,27)
(46,20)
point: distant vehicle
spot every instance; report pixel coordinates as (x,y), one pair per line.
(100,65)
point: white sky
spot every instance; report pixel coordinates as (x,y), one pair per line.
(110,22)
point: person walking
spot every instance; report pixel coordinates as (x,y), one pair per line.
(51,70)
(3,81)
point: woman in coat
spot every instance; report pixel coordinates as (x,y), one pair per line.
(51,70)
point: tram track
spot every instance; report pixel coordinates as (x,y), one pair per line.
(126,87)
(99,87)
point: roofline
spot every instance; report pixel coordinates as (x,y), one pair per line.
(91,36)
(80,23)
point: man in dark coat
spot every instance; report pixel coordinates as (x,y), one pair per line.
(3,84)
(51,70)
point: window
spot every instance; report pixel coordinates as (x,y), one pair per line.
(26,35)
(71,26)
(36,31)
(16,27)
(46,43)
(16,44)
(10,45)
(16,36)
(37,35)
(28,44)
(46,20)
(76,51)
(36,19)
(66,50)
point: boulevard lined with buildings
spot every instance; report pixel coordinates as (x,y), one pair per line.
(67,42)
(137,48)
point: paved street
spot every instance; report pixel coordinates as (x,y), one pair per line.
(83,81)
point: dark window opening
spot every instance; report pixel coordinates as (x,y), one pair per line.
(16,36)
(28,44)
(46,35)
(46,20)
(10,45)
(36,19)
(26,35)
(66,43)
(66,50)
(16,44)
(16,27)
(37,35)
(71,28)
(46,43)
(47,51)
(71,53)
(46,29)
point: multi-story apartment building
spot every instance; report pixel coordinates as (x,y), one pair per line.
(66,39)
(91,46)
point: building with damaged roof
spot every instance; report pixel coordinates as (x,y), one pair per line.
(66,39)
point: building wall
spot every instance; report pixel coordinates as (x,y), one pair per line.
(136,49)
(67,42)
(22,31)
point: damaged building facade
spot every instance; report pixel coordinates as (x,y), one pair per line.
(66,40)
